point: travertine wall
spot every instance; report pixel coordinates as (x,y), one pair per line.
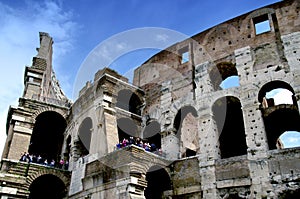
(215,142)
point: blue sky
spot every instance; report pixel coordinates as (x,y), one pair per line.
(77,27)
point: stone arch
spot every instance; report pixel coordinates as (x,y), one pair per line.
(217,36)
(181,114)
(47,186)
(259,12)
(64,177)
(47,138)
(126,128)
(62,112)
(129,100)
(220,73)
(158,179)
(275,84)
(152,134)
(84,135)
(228,116)
(273,111)
(186,127)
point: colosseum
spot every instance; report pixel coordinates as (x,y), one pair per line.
(177,131)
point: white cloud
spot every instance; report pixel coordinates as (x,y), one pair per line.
(290,139)
(281,96)
(19,39)
(293,139)
(162,37)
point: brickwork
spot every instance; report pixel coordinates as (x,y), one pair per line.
(214,142)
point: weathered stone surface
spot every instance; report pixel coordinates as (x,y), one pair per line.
(212,141)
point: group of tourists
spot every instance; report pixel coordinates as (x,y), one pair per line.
(151,147)
(38,159)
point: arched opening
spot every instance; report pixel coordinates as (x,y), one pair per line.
(275,125)
(129,101)
(47,136)
(187,131)
(275,93)
(228,116)
(277,101)
(181,114)
(152,135)
(224,75)
(126,129)
(84,136)
(158,181)
(47,187)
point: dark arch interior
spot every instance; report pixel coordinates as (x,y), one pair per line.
(292,194)
(279,121)
(230,123)
(181,114)
(129,101)
(220,72)
(85,136)
(158,182)
(47,136)
(126,128)
(152,134)
(47,187)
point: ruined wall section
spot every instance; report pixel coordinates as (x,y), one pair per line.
(38,97)
(98,101)
(39,79)
(257,57)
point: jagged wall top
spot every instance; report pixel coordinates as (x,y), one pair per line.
(40,80)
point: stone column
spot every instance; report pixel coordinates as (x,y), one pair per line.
(110,129)
(170,144)
(209,152)
(257,151)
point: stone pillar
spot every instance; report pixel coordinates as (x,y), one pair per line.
(20,142)
(170,144)
(244,64)
(257,151)
(209,152)
(8,141)
(110,129)
(255,132)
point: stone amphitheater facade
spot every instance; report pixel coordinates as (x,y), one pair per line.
(214,142)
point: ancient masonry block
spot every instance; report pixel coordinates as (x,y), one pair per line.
(184,134)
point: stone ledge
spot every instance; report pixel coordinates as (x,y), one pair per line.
(234,183)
